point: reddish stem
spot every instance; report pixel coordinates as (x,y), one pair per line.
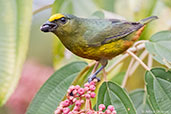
(88,105)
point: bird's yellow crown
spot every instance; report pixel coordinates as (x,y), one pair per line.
(55,17)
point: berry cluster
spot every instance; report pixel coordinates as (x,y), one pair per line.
(77,96)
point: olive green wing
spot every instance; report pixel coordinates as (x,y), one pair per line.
(115,29)
(106,31)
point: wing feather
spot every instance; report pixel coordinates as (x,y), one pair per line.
(114,29)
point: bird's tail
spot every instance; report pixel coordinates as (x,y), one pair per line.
(148,19)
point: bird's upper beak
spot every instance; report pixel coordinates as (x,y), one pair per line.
(48,27)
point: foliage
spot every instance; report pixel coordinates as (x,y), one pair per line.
(158,89)
(154,98)
(14,34)
(112,94)
(159,46)
(55,89)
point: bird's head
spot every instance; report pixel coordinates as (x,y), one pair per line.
(59,23)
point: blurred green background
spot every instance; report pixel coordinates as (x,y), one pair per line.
(46,53)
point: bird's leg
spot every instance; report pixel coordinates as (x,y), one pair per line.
(93,76)
(95,67)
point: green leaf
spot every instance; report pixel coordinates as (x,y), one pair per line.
(158,88)
(140,102)
(112,94)
(14,35)
(159,46)
(54,89)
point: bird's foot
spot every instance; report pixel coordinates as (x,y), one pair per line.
(92,77)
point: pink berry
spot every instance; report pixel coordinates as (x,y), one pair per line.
(92,94)
(82,101)
(92,83)
(66,110)
(78,103)
(58,111)
(66,103)
(69,91)
(111,108)
(92,87)
(74,92)
(74,100)
(77,87)
(89,112)
(71,97)
(72,87)
(76,108)
(107,112)
(70,113)
(86,88)
(101,107)
(81,91)
(87,96)
(86,85)
(114,112)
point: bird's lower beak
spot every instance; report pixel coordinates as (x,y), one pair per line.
(48,27)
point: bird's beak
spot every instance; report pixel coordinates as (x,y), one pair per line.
(48,27)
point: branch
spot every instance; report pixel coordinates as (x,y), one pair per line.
(142,57)
(150,60)
(139,60)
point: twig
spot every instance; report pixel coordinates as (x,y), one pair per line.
(139,42)
(142,57)
(41,9)
(150,60)
(139,60)
(127,73)
(88,105)
(137,48)
(105,75)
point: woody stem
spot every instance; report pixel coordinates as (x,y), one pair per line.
(139,60)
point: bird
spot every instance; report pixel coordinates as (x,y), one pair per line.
(95,39)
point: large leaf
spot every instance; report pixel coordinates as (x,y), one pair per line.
(159,46)
(140,101)
(158,88)
(14,33)
(112,94)
(54,89)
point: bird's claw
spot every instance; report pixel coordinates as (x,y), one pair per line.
(92,77)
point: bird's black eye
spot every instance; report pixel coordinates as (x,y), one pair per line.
(63,20)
